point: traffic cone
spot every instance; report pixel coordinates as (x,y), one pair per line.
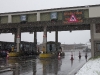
(79,55)
(72,57)
(86,56)
(7,55)
(59,56)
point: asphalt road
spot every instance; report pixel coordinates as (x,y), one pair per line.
(36,66)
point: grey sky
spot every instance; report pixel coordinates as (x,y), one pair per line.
(27,5)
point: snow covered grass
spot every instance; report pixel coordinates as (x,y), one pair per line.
(92,67)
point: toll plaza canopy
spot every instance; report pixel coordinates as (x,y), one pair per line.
(61,19)
(57,19)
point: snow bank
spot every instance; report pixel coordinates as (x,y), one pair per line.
(92,67)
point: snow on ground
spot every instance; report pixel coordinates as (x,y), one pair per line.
(92,67)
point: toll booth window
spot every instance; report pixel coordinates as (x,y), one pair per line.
(98,46)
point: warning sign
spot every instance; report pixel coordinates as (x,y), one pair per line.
(73,18)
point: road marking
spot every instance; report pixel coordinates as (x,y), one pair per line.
(71,72)
(75,69)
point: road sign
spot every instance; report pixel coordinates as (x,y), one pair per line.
(73,18)
(53,15)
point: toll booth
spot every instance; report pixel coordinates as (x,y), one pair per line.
(26,48)
(6,45)
(51,46)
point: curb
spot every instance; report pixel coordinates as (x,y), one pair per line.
(5,70)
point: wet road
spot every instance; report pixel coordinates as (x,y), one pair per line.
(36,66)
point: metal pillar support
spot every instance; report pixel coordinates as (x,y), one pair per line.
(9,18)
(92,27)
(38,16)
(35,40)
(56,39)
(45,38)
(18,39)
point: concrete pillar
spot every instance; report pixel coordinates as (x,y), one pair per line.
(15,35)
(18,39)
(45,38)
(9,18)
(56,39)
(16,70)
(38,16)
(92,30)
(35,40)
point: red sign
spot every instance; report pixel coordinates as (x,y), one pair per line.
(73,18)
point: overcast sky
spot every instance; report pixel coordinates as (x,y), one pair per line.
(27,5)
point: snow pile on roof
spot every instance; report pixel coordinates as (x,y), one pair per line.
(92,67)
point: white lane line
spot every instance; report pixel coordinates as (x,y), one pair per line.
(76,69)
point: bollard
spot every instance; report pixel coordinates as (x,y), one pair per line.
(7,55)
(16,69)
(72,57)
(59,56)
(79,55)
(86,56)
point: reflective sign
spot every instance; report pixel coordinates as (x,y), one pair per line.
(23,17)
(54,15)
(72,18)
